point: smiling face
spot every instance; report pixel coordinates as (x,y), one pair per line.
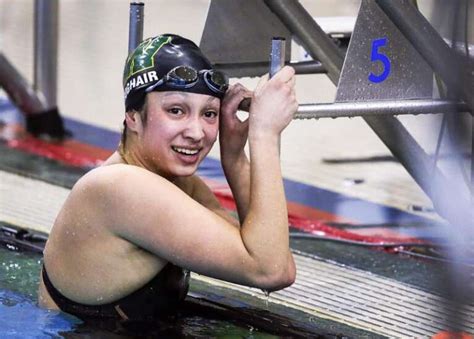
(180,130)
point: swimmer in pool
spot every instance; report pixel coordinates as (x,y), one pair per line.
(131,230)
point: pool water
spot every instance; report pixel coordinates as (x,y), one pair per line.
(20,317)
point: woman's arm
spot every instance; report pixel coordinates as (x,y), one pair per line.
(233,135)
(273,106)
(237,173)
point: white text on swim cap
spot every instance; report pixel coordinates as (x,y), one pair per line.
(139,80)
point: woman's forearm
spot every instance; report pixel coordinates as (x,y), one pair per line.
(265,229)
(237,172)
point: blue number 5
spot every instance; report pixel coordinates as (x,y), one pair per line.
(377,56)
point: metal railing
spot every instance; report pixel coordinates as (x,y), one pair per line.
(39,101)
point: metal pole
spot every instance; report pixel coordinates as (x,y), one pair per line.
(20,92)
(135,30)
(277,55)
(449,65)
(361,109)
(259,68)
(277,61)
(46,50)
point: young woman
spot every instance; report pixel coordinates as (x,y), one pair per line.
(131,229)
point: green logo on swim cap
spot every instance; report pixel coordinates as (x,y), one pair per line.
(142,57)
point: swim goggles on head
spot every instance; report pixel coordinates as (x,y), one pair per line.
(187,77)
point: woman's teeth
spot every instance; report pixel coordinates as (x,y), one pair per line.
(185,150)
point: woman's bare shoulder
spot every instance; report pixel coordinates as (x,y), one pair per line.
(114,174)
(107,192)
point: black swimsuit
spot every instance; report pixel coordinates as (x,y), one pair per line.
(159,296)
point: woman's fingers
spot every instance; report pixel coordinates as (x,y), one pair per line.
(236,93)
(263,80)
(233,98)
(285,74)
(274,102)
(291,82)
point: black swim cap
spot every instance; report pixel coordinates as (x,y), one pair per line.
(153,59)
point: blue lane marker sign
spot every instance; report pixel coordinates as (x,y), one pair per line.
(377,55)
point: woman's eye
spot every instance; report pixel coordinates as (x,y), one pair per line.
(210,114)
(175,110)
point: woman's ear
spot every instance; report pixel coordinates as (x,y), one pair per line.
(133,121)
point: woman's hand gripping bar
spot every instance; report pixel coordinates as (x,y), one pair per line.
(277,61)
